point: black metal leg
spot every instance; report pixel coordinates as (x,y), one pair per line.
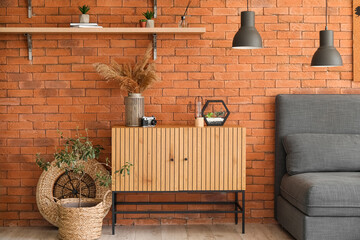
(243,211)
(113,212)
(115,204)
(236,208)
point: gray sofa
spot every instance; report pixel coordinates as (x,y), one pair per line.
(317,166)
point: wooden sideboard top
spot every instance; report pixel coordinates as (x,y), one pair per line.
(179,126)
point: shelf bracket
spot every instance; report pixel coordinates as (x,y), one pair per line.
(155,8)
(29,43)
(29,8)
(155,45)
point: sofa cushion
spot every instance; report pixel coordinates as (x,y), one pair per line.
(323,193)
(310,152)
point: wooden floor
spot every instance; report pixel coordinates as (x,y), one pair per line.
(191,232)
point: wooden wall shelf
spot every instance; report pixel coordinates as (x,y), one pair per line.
(126,30)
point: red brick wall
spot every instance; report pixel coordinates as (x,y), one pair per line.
(59,89)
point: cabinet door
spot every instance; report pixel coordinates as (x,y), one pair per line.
(149,170)
(190,163)
(130,145)
(163,163)
(234,158)
(154,153)
(173,159)
(127,150)
(215,159)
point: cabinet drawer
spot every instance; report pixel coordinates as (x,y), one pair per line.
(179,158)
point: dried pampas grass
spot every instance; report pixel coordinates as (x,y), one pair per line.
(134,79)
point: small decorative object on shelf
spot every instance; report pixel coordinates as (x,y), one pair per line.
(215,112)
(148,121)
(182,22)
(134,79)
(149,22)
(199,120)
(142,23)
(84,17)
(85,25)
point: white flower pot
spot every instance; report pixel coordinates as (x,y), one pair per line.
(84,18)
(150,23)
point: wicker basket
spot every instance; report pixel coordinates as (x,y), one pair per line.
(44,191)
(81,223)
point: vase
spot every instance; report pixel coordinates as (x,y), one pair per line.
(84,18)
(134,109)
(150,23)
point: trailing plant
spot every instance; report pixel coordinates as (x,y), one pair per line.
(73,154)
(148,14)
(84,9)
(105,178)
(143,20)
(132,78)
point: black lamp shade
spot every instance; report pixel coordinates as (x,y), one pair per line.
(247,37)
(326,55)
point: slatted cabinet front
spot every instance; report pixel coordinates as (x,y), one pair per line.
(179,158)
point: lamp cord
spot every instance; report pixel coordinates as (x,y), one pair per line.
(326,27)
(247,5)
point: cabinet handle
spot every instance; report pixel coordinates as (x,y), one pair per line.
(186,159)
(171,159)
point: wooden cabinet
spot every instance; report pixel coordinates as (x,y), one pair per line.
(179,158)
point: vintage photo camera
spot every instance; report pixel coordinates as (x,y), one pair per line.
(148,121)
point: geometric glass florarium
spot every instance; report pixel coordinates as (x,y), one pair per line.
(215,112)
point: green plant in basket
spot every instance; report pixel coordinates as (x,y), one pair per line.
(72,156)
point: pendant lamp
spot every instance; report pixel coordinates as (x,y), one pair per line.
(326,55)
(247,37)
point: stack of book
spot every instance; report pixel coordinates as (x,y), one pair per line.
(85,25)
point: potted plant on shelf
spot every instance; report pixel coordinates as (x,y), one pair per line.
(149,22)
(134,79)
(80,218)
(84,17)
(142,23)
